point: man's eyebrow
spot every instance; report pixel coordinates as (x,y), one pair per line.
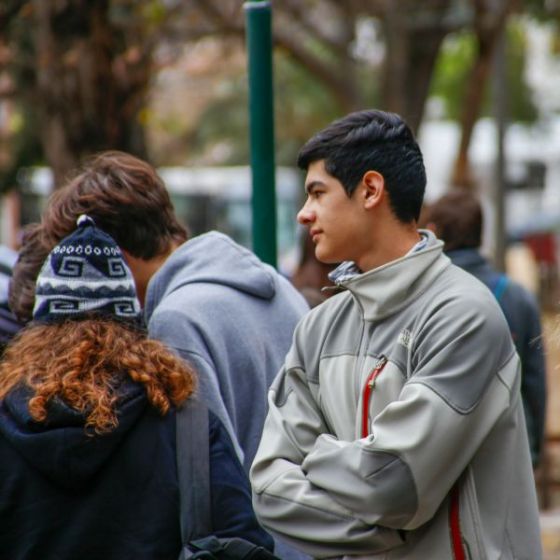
(312,184)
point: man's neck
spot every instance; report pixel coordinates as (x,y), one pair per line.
(143,270)
(394,243)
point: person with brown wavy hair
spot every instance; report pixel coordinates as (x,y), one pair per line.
(88,429)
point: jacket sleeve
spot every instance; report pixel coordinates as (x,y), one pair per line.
(232,511)
(464,376)
(286,501)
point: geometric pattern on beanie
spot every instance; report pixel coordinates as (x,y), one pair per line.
(115,268)
(124,308)
(71,266)
(86,272)
(63,305)
(68,305)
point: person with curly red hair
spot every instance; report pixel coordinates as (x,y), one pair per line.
(88,430)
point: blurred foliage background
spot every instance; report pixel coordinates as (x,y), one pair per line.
(166,79)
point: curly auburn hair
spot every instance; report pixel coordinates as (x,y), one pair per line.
(84,362)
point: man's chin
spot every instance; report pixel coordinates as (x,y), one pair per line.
(324,257)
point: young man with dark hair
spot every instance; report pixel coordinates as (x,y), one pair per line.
(395,429)
(214,302)
(457,219)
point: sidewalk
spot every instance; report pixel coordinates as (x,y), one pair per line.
(550,531)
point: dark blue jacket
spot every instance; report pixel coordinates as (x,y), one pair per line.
(65,495)
(522,314)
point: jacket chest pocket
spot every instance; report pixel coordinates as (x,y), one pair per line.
(382,386)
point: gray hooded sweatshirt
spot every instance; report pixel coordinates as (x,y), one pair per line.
(232,317)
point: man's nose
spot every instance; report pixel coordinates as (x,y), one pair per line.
(305,216)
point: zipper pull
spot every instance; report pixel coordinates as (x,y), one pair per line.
(380,365)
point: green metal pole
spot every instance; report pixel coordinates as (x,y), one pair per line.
(258,17)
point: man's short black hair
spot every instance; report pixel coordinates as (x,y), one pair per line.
(372,140)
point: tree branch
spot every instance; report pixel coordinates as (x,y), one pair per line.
(488,27)
(220,18)
(339,83)
(296,13)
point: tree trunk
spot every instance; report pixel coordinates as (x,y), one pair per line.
(462,175)
(414,34)
(488,27)
(88,94)
(422,62)
(393,88)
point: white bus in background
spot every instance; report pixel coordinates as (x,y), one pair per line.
(205,198)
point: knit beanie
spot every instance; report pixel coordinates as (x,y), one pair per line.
(84,274)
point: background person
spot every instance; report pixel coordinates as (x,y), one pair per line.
(311,276)
(30,259)
(9,324)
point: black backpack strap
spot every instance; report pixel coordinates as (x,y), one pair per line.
(240,548)
(227,549)
(193,470)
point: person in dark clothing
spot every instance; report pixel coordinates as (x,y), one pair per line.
(88,423)
(457,219)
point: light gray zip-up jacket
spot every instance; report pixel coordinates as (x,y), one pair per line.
(444,472)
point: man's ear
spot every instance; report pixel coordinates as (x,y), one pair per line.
(373,188)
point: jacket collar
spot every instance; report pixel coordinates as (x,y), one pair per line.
(385,290)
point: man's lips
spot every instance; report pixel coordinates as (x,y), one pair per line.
(314,234)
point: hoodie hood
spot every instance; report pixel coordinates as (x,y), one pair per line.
(211,258)
(59,448)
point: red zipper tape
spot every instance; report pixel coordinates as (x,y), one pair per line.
(455,525)
(454,520)
(368,388)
